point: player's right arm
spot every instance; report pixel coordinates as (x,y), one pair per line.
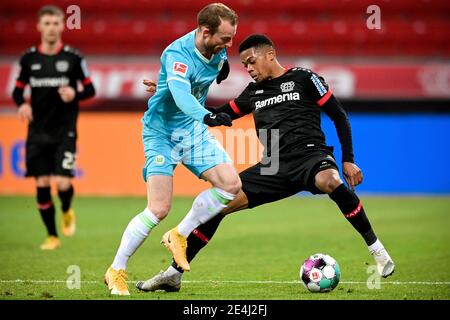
(178,81)
(25,111)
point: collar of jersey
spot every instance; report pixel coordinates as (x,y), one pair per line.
(58,49)
(202,56)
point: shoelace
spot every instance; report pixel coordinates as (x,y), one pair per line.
(120,279)
(180,241)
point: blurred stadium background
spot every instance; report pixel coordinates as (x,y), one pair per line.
(394,82)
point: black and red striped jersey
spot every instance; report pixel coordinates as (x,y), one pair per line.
(290,104)
(45,74)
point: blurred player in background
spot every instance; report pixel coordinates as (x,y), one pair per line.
(289,101)
(52,70)
(175,131)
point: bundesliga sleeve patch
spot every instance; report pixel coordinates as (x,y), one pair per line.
(180,69)
(319,85)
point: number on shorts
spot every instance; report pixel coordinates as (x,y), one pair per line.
(68,162)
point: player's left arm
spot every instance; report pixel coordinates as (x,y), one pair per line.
(333,108)
(325,99)
(83,75)
(224,72)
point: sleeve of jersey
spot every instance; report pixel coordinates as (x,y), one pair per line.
(337,114)
(178,73)
(21,82)
(84,76)
(238,107)
(319,89)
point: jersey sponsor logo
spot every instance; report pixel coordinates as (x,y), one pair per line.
(277,99)
(62,65)
(287,86)
(180,68)
(259,91)
(49,82)
(36,66)
(319,85)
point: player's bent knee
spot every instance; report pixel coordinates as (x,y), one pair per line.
(332,184)
(328,180)
(233,186)
(160,211)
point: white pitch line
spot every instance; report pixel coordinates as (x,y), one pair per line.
(430,283)
(42,281)
(343,282)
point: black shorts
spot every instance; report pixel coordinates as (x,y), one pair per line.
(46,155)
(296,173)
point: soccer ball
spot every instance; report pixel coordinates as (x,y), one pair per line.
(320,273)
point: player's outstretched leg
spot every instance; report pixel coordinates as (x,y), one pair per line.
(206,205)
(353,211)
(135,234)
(170,280)
(385,265)
(68,221)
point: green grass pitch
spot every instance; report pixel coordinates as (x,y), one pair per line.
(256,254)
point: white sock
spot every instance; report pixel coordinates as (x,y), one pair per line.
(377,245)
(135,234)
(206,206)
(172,271)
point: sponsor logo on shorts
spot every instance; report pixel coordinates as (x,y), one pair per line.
(325,164)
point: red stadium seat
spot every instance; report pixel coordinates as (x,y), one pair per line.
(306,27)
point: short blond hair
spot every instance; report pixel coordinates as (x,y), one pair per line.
(212,15)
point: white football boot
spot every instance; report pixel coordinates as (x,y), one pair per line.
(162,281)
(385,265)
